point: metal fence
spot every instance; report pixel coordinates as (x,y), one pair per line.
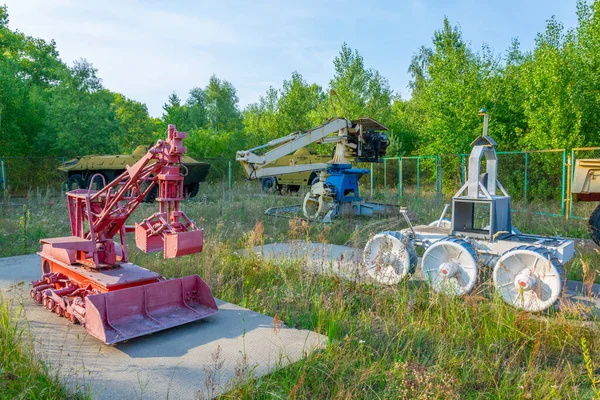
(535,176)
(528,176)
(20,175)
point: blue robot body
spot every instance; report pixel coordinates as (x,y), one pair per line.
(343,179)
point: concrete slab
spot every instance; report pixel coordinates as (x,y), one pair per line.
(321,258)
(194,361)
(346,262)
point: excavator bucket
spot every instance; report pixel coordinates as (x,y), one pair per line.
(183,243)
(172,244)
(128,313)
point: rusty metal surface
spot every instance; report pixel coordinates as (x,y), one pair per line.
(130,313)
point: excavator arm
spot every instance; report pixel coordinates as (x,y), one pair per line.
(98,216)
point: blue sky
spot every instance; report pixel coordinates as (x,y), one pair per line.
(147,49)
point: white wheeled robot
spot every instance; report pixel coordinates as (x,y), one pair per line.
(527,269)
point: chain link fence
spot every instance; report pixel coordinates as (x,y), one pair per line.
(530,177)
(21,175)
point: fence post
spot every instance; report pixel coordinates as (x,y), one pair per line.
(568,199)
(418,176)
(437,178)
(384,178)
(441,172)
(525,183)
(3,178)
(230,175)
(372,179)
(571,172)
(400,181)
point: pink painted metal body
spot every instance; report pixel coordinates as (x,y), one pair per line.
(87,277)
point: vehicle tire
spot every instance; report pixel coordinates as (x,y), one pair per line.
(269,184)
(152,194)
(313,178)
(191,190)
(594,225)
(98,182)
(75,181)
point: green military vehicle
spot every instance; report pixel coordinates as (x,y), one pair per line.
(293,182)
(81,170)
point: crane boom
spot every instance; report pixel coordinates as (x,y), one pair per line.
(361,139)
(254,164)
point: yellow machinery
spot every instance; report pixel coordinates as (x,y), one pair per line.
(586,187)
(292,182)
(286,163)
(334,185)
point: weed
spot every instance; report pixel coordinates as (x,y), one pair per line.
(22,374)
(404,341)
(589,366)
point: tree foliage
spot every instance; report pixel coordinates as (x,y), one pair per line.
(544,98)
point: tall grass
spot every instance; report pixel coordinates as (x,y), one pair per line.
(383,342)
(22,374)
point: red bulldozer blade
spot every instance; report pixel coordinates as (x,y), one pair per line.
(128,313)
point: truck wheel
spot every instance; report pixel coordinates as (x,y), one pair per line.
(191,190)
(97,184)
(75,181)
(314,178)
(269,185)
(594,225)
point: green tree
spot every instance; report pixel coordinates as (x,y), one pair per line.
(222,105)
(175,114)
(135,125)
(297,103)
(29,69)
(196,108)
(449,86)
(84,115)
(359,91)
(261,118)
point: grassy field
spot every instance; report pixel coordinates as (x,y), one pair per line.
(384,342)
(22,374)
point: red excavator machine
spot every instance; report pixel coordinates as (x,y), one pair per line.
(87,276)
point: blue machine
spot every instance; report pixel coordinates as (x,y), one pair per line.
(343,182)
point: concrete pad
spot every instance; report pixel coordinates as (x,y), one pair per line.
(346,262)
(329,259)
(194,361)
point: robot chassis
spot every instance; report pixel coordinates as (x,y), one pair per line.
(337,193)
(87,277)
(527,269)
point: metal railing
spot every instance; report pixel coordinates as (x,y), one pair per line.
(528,175)
(445,174)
